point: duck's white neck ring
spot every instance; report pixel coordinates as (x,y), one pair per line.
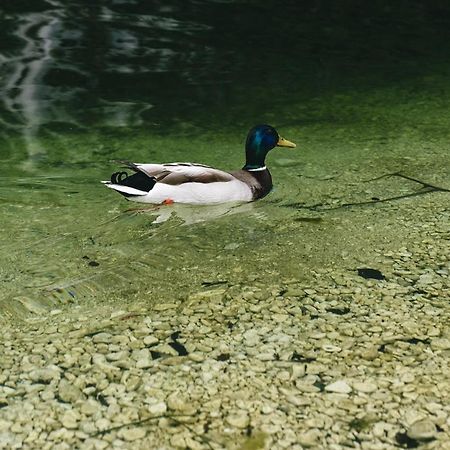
(259,169)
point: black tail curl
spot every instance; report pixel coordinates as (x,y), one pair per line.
(138,180)
(118,177)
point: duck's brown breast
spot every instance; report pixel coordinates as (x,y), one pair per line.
(259,181)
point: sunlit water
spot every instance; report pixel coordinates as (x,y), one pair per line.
(159,84)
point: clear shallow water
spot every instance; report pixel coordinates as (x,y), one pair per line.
(184,82)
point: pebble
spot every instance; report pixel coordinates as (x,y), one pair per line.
(440,344)
(150,340)
(90,407)
(331,348)
(144,363)
(366,387)
(178,441)
(422,430)
(68,392)
(102,338)
(309,438)
(239,419)
(370,353)
(132,433)
(70,419)
(180,404)
(339,387)
(158,409)
(45,375)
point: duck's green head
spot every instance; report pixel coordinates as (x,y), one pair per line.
(260,140)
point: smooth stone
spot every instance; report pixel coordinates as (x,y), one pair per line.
(279,318)
(158,409)
(144,363)
(297,401)
(116,356)
(238,420)
(310,438)
(90,407)
(426,278)
(440,344)
(251,338)
(364,386)
(102,424)
(166,349)
(132,434)
(331,348)
(369,354)
(70,419)
(68,392)
(102,338)
(422,430)
(180,404)
(177,441)
(297,371)
(339,387)
(44,375)
(150,340)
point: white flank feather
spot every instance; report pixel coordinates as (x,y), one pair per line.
(197,193)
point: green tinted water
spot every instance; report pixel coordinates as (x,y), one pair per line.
(68,241)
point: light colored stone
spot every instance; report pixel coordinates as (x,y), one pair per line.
(150,340)
(310,438)
(132,433)
(297,371)
(426,278)
(370,353)
(365,386)
(251,337)
(158,409)
(144,363)
(102,338)
(70,419)
(178,441)
(422,430)
(103,423)
(45,375)
(116,356)
(239,419)
(90,407)
(297,400)
(331,348)
(339,387)
(68,392)
(440,344)
(178,403)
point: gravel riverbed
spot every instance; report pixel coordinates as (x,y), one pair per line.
(342,361)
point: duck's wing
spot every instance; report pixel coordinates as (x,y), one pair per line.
(179,173)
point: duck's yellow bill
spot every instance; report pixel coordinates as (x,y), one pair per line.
(282,142)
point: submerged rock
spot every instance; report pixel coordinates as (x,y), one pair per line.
(422,430)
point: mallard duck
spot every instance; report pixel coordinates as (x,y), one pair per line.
(199,184)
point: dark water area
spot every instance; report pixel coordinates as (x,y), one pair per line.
(75,64)
(362,88)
